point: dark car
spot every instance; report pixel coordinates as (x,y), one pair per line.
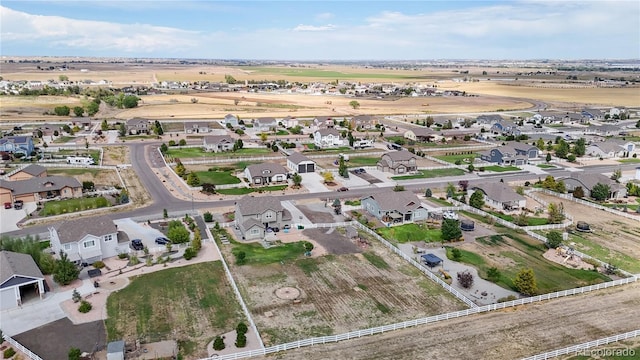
(343,189)
(162,240)
(275,229)
(136,244)
(18,204)
(7,205)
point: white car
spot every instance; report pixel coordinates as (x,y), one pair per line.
(450,215)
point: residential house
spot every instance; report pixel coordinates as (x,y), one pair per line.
(138,126)
(265,173)
(420,134)
(488,119)
(17,145)
(363,122)
(395,207)
(593,114)
(505,127)
(323,122)
(218,143)
(610,148)
(231,120)
(300,163)
(290,122)
(38,188)
(265,124)
(47,130)
(253,216)
(86,240)
(29,172)
(398,162)
(514,153)
(603,130)
(198,127)
(20,279)
(588,181)
(500,196)
(574,118)
(327,138)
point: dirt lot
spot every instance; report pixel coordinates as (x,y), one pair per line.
(115,155)
(508,334)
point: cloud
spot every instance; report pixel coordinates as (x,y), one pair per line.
(324,16)
(327,27)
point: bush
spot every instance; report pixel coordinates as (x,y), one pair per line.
(123,256)
(85,306)
(242,328)
(189,253)
(241,340)
(98,264)
(74,354)
(241,258)
(75,295)
(218,343)
(465,279)
(508,298)
(9,353)
(456,254)
(208,217)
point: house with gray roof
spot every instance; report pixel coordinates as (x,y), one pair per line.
(610,148)
(255,215)
(230,120)
(86,240)
(513,153)
(196,127)
(39,188)
(588,181)
(20,278)
(398,162)
(218,143)
(300,163)
(363,122)
(500,196)
(421,134)
(395,207)
(265,173)
(265,124)
(17,145)
(28,172)
(327,138)
(488,119)
(323,122)
(138,126)
(505,127)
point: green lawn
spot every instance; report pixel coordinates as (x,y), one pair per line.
(189,153)
(310,146)
(431,174)
(465,158)
(410,232)
(362,161)
(532,221)
(63,139)
(496,168)
(95,154)
(282,132)
(176,303)
(244,191)
(592,248)
(73,205)
(439,201)
(216,177)
(545,166)
(352,202)
(629,161)
(256,254)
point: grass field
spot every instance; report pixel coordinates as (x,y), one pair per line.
(73,205)
(256,254)
(532,221)
(63,139)
(193,302)
(496,168)
(190,153)
(244,191)
(545,166)
(629,161)
(465,158)
(362,161)
(216,177)
(410,232)
(422,174)
(602,253)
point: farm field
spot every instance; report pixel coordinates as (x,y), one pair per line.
(350,288)
(500,335)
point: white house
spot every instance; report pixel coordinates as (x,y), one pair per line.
(611,148)
(265,173)
(326,138)
(217,143)
(86,240)
(300,163)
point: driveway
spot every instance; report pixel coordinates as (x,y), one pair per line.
(10,217)
(297,216)
(140,231)
(313,182)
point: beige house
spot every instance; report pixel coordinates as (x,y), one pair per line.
(398,162)
(255,215)
(38,188)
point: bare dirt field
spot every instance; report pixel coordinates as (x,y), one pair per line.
(99,177)
(507,334)
(338,293)
(115,155)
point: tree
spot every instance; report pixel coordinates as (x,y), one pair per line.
(548,157)
(465,279)
(617,174)
(429,121)
(560,187)
(192,179)
(122,130)
(218,343)
(540,144)
(65,271)
(578,192)
(263,137)
(75,296)
(562,149)
(493,274)
(521,219)
(297,179)
(600,192)
(428,193)
(556,213)
(328,177)
(238,145)
(354,104)
(571,158)
(63,110)
(242,328)
(308,247)
(230,79)
(350,138)
(180,169)
(554,239)
(130,101)
(164,148)
(456,254)
(207,216)
(525,282)
(177,233)
(450,229)
(342,168)
(165,214)
(477,199)
(157,128)
(93,108)
(579,147)
(104,125)
(182,142)
(471,168)
(78,111)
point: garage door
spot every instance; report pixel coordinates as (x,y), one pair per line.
(5,197)
(311,167)
(302,168)
(8,299)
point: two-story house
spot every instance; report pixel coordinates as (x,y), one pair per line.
(514,153)
(363,122)
(254,215)
(327,138)
(290,122)
(230,120)
(395,207)
(323,122)
(86,240)
(217,143)
(265,173)
(265,124)
(17,145)
(138,126)
(500,196)
(397,162)
(488,119)
(505,127)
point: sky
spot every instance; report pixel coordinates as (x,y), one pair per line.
(323,30)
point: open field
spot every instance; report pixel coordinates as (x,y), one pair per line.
(217,177)
(410,232)
(348,289)
(501,335)
(99,177)
(193,303)
(199,153)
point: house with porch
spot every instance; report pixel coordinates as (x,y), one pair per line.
(17,145)
(39,188)
(87,240)
(420,134)
(610,148)
(514,153)
(217,143)
(265,174)
(327,138)
(137,126)
(253,216)
(398,162)
(588,181)
(395,207)
(300,163)
(265,124)
(196,127)
(500,196)
(20,279)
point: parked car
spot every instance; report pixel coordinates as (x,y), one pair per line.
(18,204)
(287,227)
(162,240)
(275,229)
(136,244)
(343,189)
(7,205)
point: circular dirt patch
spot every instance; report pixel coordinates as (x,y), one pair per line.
(287,293)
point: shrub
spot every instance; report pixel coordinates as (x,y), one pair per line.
(241,258)
(508,298)
(74,354)
(85,306)
(241,340)
(465,279)
(123,256)
(242,328)
(9,353)
(98,264)
(75,295)
(456,255)
(208,217)
(189,253)
(218,343)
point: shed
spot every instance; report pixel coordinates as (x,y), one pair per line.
(467,225)
(300,163)
(431,260)
(20,279)
(115,350)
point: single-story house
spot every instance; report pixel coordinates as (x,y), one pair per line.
(488,119)
(420,134)
(28,172)
(231,120)
(300,163)
(593,114)
(610,148)
(265,173)
(38,188)
(17,145)
(398,162)
(588,181)
(198,127)
(19,277)
(137,126)
(327,138)
(514,153)
(218,143)
(86,240)
(500,196)
(395,207)
(254,215)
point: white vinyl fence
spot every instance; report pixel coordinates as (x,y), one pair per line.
(579,349)
(19,346)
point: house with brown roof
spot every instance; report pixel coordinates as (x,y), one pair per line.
(86,240)
(395,207)
(217,143)
(38,188)
(254,215)
(500,196)
(420,134)
(20,277)
(398,162)
(265,173)
(29,172)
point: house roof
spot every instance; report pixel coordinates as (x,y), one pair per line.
(15,139)
(499,192)
(266,168)
(608,146)
(297,158)
(265,120)
(250,205)
(218,139)
(513,146)
(39,184)
(230,116)
(422,131)
(396,200)
(195,124)
(136,121)
(12,264)
(402,155)
(326,132)
(34,170)
(74,230)
(590,180)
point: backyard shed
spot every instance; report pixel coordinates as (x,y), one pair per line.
(115,350)
(431,260)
